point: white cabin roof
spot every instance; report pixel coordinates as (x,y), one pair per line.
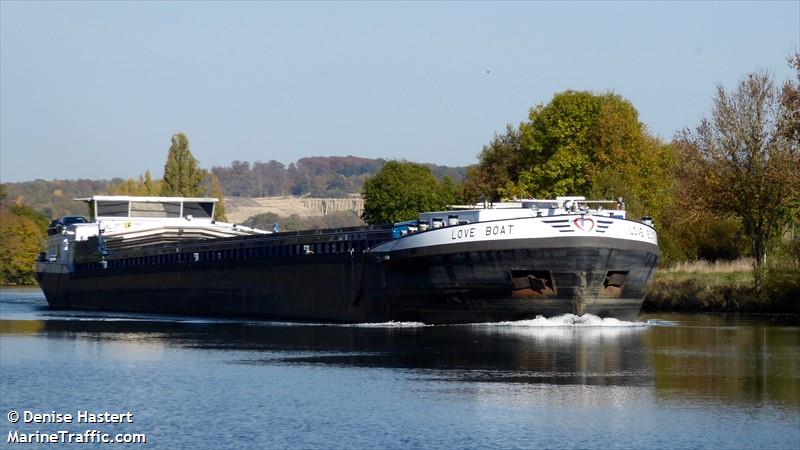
(124,207)
(134,198)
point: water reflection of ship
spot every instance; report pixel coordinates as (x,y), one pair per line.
(480,353)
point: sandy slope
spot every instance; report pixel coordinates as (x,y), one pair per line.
(238,209)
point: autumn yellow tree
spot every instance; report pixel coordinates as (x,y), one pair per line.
(22,236)
(144,186)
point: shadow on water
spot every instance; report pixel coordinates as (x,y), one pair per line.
(728,359)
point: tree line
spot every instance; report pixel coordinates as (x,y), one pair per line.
(321,176)
(332,176)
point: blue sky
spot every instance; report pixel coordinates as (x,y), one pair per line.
(96,89)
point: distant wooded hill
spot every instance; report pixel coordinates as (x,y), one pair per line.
(319,176)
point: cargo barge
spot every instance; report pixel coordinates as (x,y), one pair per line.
(491,262)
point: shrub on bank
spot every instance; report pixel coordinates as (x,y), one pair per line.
(782,289)
(698,295)
(781,294)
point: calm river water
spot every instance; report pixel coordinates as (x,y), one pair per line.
(667,381)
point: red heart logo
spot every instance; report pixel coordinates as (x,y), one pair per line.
(584,224)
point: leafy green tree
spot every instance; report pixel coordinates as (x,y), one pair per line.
(216,192)
(559,143)
(496,175)
(265,221)
(449,191)
(580,143)
(182,175)
(629,163)
(400,191)
(746,165)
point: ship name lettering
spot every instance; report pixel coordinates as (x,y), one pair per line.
(498,230)
(462,233)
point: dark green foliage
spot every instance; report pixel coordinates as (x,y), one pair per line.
(697,295)
(450,193)
(497,173)
(781,289)
(182,175)
(782,280)
(685,236)
(264,221)
(400,191)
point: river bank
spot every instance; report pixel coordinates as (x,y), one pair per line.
(722,287)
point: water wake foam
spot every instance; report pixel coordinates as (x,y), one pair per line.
(390,324)
(569,320)
(563,321)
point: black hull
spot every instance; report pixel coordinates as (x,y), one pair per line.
(448,284)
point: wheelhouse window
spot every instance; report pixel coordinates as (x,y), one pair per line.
(198,209)
(156,209)
(107,208)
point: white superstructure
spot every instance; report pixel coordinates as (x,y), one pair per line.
(121,221)
(526,219)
